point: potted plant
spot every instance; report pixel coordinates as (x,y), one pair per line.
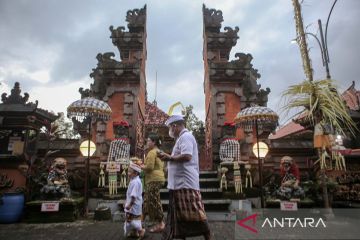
(11,202)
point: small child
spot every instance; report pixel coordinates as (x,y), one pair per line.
(133,204)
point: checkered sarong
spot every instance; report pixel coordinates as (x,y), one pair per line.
(186,215)
(119,149)
(230,150)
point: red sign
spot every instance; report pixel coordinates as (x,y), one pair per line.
(288,206)
(50,207)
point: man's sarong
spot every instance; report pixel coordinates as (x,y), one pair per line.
(186,215)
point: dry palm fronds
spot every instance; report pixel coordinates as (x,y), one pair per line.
(320,98)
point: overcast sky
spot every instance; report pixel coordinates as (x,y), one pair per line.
(50,46)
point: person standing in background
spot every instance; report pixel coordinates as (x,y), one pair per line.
(154,180)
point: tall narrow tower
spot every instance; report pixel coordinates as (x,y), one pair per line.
(122,84)
(229,86)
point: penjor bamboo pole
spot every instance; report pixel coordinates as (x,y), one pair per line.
(301,40)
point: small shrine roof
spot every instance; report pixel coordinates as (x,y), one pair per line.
(16,107)
(352,97)
(154,116)
(289,128)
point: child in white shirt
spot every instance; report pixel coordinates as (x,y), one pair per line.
(133,204)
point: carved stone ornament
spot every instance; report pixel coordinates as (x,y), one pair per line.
(136,18)
(262,96)
(229,32)
(105,59)
(243,59)
(212,18)
(116,32)
(84,92)
(15,96)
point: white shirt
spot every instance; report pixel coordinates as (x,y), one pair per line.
(184,174)
(134,190)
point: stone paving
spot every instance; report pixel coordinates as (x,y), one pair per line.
(344,225)
(92,230)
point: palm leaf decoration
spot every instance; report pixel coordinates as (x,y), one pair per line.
(319,98)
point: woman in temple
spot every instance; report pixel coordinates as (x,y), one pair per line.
(154,180)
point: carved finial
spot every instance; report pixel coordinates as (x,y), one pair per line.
(106,58)
(136,19)
(84,92)
(212,19)
(15,96)
(262,96)
(231,32)
(244,59)
(119,31)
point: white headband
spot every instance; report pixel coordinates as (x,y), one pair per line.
(135,167)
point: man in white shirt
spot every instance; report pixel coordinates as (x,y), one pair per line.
(186,214)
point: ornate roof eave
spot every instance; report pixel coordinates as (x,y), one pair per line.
(233,73)
(154,116)
(15,105)
(228,75)
(128,73)
(47,115)
(106,62)
(150,125)
(304,122)
(119,35)
(27,109)
(284,143)
(352,97)
(17,108)
(243,61)
(222,39)
(354,114)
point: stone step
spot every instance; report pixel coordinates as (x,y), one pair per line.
(208,174)
(206,193)
(207,182)
(201,190)
(212,215)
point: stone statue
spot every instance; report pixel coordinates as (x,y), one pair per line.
(101,182)
(289,187)
(248,178)
(57,182)
(123,177)
(237,178)
(112,170)
(223,181)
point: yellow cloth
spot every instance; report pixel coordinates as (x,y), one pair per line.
(154,167)
(321,141)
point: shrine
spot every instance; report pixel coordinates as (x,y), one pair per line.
(20,125)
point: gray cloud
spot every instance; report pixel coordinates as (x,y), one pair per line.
(64,37)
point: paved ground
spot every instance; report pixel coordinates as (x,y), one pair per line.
(342,225)
(91,230)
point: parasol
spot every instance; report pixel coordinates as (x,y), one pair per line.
(89,109)
(257,115)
